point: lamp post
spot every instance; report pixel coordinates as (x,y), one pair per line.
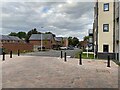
(41,41)
(94,50)
(87,51)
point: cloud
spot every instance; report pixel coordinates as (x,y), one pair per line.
(62,18)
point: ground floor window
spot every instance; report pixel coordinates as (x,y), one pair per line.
(105,48)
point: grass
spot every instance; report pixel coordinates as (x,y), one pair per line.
(91,56)
(84,56)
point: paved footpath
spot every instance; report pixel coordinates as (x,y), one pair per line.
(52,72)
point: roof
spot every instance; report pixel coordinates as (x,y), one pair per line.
(58,38)
(65,38)
(14,38)
(6,37)
(38,37)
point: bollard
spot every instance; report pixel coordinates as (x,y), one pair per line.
(18,52)
(61,55)
(10,54)
(3,56)
(80,56)
(108,63)
(65,57)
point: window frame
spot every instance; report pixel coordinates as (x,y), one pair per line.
(104,48)
(104,29)
(104,7)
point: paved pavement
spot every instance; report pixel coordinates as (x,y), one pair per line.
(54,53)
(0,73)
(53,72)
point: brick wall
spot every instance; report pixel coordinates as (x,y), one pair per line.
(46,43)
(15,46)
(65,42)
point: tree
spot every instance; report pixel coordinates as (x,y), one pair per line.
(21,35)
(33,31)
(50,33)
(86,38)
(13,34)
(70,41)
(75,41)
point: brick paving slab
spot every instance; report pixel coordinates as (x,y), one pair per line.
(53,72)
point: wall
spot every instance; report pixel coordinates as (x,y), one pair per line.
(105,18)
(65,42)
(15,46)
(46,43)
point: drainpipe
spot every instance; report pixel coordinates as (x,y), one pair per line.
(119,30)
(114,41)
(97,33)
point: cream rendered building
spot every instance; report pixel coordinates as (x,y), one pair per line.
(106,30)
(105,21)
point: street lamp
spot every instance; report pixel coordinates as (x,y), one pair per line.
(94,50)
(41,41)
(87,51)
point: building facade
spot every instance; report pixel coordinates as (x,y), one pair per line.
(47,41)
(58,42)
(91,45)
(105,29)
(65,42)
(12,43)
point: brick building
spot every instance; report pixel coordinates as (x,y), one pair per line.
(65,42)
(58,42)
(42,40)
(47,41)
(12,43)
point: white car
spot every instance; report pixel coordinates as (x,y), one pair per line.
(63,48)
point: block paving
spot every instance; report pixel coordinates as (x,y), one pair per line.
(53,72)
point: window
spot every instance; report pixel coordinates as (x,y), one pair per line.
(106,7)
(105,27)
(105,48)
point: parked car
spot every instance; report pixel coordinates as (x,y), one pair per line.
(63,48)
(70,48)
(39,48)
(0,51)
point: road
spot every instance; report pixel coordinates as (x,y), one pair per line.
(54,53)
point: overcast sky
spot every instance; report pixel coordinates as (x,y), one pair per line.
(62,18)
